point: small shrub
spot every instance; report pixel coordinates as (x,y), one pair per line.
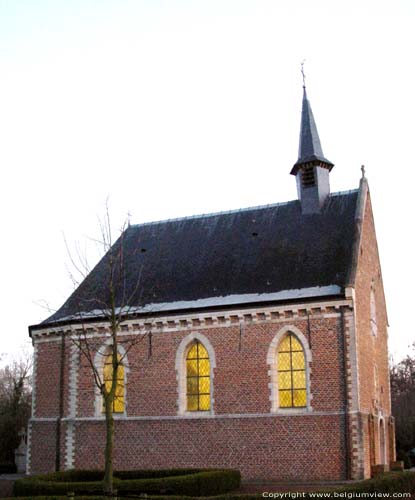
(394,482)
(34,486)
(152,497)
(152,473)
(58,497)
(7,468)
(391,482)
(191,482)
(404,455)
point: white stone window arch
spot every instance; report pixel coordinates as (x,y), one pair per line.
(373,318)
(181,373)
(272,361)
(99,361)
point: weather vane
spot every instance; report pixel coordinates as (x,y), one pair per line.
(302,71)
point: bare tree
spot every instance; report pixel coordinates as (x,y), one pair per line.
(15,403)
(402,377)
(110,300)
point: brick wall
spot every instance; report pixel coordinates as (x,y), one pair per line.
(42,447)
(372,349)
(242,433)
(47,375)
(282,448)
(241,376)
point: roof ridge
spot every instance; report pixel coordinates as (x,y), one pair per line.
(233,211)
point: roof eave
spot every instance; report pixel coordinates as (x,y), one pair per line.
(331,292)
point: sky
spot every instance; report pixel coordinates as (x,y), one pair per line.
(175,108)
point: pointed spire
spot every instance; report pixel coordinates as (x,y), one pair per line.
(309,150)
(312,170)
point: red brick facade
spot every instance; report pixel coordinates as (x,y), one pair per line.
(336,436)
(374,395)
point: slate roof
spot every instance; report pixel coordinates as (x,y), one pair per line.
(261,250)
(309,148)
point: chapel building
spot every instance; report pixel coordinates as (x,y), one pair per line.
(259,342)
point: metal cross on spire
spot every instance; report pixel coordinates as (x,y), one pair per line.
(302,72)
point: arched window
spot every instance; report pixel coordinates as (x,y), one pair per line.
(197,378)
(291,380)
(195,371)
(118,404)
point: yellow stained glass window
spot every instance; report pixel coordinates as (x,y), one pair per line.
(292,388)
(118,403)
(198,378)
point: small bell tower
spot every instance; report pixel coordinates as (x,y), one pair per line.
(312,170)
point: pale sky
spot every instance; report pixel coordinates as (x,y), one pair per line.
(175,108)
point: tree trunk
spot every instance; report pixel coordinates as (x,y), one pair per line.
(109,446)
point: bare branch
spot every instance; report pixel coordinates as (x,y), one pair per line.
(82,273)
(44,305)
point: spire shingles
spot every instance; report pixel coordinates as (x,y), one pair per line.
(309,150)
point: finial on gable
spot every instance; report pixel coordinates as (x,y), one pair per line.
(363,169)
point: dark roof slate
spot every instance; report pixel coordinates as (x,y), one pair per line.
(258,250)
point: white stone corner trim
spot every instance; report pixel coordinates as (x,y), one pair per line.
(73,380)
(352,351)
(180,365)
(70,446)
(29,448)
(272,362)
(34,378)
